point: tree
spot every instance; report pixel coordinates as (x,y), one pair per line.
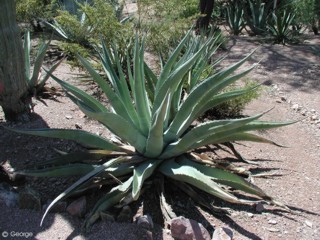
(206,9)
(14,98)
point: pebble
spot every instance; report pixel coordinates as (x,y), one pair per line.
(273,230)
(260,208)
(78,207)
(184,228)
(68,117)
(272,221)
(222,233)
(308,223)
(296,107)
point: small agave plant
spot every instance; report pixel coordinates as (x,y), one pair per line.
(154,118)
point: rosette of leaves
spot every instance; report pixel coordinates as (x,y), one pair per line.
(36,81)
(280,26)
(235,17)
(153,117)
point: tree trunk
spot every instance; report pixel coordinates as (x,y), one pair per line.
(206,9)
(13,85)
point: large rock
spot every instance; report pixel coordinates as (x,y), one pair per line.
(188,229)
(222,233)
(78,207)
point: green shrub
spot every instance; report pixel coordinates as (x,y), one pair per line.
(84,30)
(153,122)
(234,108)
(164,22)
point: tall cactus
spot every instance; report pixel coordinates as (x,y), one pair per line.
(13,86)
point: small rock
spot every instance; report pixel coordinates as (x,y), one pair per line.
(185,229)
(250,215)
(273,230)
(308,223)
(29,199)
(313,118)
(313,111)
(296,107)
(283,98)
(272,221)
(304,113)
(260,208)
(278,101)
(68,117)
(222,233)
(78,126)
(125,215)
(145,221)
(106,217)
(8,195)
(78,207)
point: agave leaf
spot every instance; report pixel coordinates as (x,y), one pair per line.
(38,64)
(141,98)
(119,126)
(27,47)
(239,136)
(224,97)
(58,29)
(80,156)
(140,174)
(171,61)
(154,145)
(225,178)
(217,129)
(48,73)
(175,78)
(82,137)
(191,175)
(60,171)
(110,199)
(151,80)
(116,102)
(83,180)
(199,97)
(86,98)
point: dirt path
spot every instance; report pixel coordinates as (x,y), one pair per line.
(291,75)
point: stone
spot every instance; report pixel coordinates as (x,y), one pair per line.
(78,207)
(222,233)
(145,221)
(272,221)
(273,230)
(296,107)
(8,195)
(125,215)
(68,117)
(308,223)
(313,118)
(188,229)
(29,199)
(259,207)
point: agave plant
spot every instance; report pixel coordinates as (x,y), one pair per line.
(35,81)
(235,18)
(257,17)
(153,117)
(280,28)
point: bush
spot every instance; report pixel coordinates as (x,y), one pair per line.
(164,22)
